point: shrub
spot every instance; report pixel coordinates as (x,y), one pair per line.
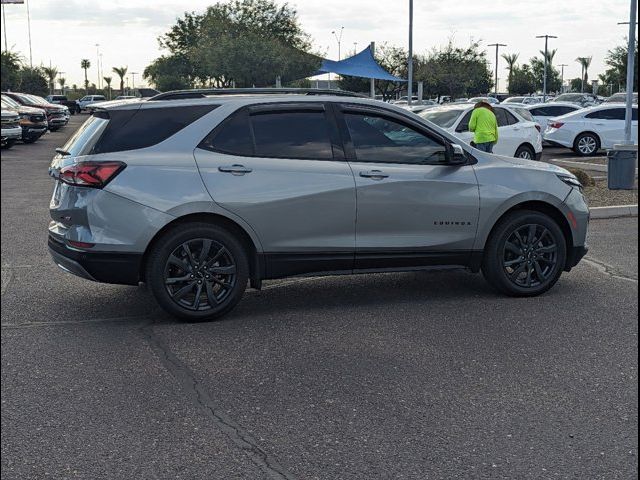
(584,178)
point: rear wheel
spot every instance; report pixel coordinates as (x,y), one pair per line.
(197,272)
(525,254)
(586,144)
(526,152)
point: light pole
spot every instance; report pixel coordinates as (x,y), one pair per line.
(355,47)
(133,80)
(410,63)
(630,70)
(562,77)
(546,56)
(339,40)
(98,63)
(497,45)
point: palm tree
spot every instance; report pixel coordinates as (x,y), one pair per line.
(121,72)
(585,63)
(511,59)
(51,73)
(550,55)
(85,64)
(62,82)
(107,80)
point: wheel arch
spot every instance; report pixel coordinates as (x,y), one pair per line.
(575,139)
(255,265)
(529,145)
(537,206)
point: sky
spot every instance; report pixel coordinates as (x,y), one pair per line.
(65,31)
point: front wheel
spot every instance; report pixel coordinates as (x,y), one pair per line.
(525,254)
(197,272)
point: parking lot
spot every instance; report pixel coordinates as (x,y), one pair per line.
(395,376)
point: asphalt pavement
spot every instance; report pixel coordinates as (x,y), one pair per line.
(386,376)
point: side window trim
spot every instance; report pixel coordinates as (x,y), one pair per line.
(341,109)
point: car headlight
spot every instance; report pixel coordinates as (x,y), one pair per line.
(571,181)
(25,116)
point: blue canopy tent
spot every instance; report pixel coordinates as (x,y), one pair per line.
(360,65)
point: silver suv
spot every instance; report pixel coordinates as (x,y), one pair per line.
(199,193)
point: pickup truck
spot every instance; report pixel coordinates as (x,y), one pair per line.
(72,105)
(87,100)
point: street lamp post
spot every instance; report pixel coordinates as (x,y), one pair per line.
(98,63)
(497,45)
(562,77)
(630,70)
(133,80)
(339,40)
(546,56)
(410,63)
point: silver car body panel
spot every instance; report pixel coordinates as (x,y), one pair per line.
(298,206)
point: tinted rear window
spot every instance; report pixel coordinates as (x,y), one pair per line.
(142,128)
(608,114)
(442,118)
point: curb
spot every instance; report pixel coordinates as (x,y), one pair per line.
(614,211)
(594,167)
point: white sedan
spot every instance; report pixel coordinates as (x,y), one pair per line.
(588,130)
(518,136)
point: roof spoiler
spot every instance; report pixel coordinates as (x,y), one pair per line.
(205,92)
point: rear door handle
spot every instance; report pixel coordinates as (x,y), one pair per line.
(374,174)
(235,169)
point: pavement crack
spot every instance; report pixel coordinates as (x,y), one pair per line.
(199,395)
(609,270)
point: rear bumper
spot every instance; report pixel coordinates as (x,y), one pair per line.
(539,156)
(104,267)
(574,255)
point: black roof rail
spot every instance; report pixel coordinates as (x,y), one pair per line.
(205,92)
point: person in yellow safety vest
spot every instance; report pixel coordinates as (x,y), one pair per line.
(484,125)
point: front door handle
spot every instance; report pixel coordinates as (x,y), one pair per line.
(374,174)
(235,169)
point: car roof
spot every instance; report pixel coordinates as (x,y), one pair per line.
(554,104)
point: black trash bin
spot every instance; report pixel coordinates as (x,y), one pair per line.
(621,171)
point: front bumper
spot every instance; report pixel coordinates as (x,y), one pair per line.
(14,133)
(29,132)
(105,267)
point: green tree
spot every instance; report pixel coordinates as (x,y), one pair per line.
(51,74)
(108,81)
(121,72)
(34,81)
(62,82)
(554,80)
(10,70)
(575,84)
(550,55)
(85,64)
(523,81)
(455,71)
(511,59)
(616,73)
(585,63)
(243,42)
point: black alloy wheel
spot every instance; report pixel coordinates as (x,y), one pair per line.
(530,256)
(200,274)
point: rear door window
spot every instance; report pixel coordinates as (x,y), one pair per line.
(502,117)
(292,134)
(608,114)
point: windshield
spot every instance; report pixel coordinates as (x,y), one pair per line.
(442,118)
(85,137)
(10,102)
(568,97)
(514,100)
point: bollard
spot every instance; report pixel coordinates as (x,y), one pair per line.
(621,171)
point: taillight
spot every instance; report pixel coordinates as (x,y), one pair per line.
(555,124)
(91,174)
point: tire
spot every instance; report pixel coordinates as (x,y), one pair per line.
(9,143)
(525,152)
(204,286)
(587,144)
(30,140)
(514,267)
(54,129)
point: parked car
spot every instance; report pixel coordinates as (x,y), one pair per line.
(87,100)
(518,136)
(57,115)
(588,130)
(489,100)
(524,100)
(33,121)
(125,97)
(621,98)
(265,186)
(421,106)
(11,131)
(541,113)
(582,99)
(72,105)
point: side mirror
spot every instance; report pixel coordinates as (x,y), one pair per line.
(456,154)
